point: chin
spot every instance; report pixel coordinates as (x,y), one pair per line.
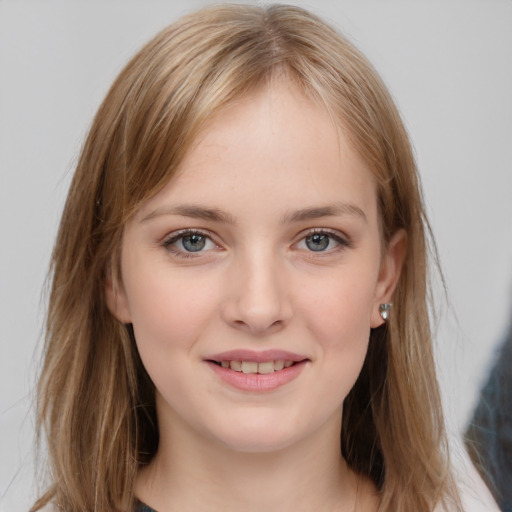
(257,444)
(264,435)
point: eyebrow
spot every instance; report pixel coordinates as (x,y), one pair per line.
(332,210)
(195,212)
(216,215)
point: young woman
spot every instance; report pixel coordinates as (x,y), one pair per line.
(238,318)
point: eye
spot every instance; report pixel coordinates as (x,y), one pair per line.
(187,242)
(322,241)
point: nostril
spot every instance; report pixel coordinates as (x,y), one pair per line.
(278,324)
(256,319)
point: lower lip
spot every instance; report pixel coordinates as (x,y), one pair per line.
(258,382)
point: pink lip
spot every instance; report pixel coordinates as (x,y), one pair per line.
(257,357)
(256,382)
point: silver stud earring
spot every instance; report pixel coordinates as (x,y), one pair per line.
(384,310)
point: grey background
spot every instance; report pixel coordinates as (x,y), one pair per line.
(449,66)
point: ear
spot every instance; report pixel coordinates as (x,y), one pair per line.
(117,301)
(390,268)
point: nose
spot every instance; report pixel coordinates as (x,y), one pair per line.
(258,300)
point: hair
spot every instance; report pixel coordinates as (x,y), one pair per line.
(393,429)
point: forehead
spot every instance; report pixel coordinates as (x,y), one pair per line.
(272,147)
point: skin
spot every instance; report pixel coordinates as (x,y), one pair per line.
(257,285)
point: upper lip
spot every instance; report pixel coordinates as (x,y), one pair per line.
(256,356)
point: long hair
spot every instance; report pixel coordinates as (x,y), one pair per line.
(95,401)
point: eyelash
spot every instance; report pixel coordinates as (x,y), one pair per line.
(343,241)
(168,243)
(175,237)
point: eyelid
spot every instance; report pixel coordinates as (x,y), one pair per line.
(171,238)
(176,235)
(342,239)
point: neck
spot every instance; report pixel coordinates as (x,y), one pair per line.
(191,472)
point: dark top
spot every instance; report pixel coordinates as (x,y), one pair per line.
(142,507)
(489,436)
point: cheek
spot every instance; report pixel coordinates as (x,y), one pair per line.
(168,319)
(340,310)
(338,318)
(168,311)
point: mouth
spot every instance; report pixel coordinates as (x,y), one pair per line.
(251,371)
(254,367)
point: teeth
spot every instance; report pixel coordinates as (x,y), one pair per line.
(236,365)
(267,367)
(278,365)
(253,367)
(249,367)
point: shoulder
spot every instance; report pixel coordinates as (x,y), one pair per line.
(475,495)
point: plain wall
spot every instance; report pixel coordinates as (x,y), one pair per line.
(448,65)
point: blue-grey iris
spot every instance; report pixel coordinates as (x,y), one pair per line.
(193,243)
(317,242)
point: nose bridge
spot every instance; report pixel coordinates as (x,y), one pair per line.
(258,298)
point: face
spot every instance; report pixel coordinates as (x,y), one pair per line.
(253,278)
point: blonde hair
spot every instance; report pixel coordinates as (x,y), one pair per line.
(95,400)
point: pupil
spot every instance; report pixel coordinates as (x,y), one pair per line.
(194,243)
(317,242)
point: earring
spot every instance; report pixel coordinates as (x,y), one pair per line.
(384,310)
